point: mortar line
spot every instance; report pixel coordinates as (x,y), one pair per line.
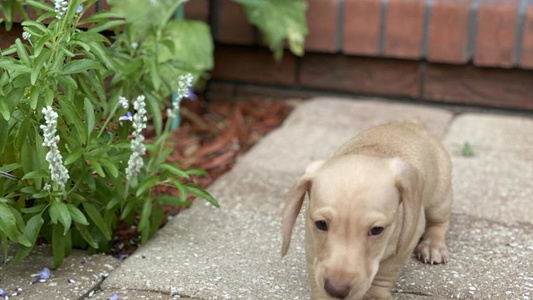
(517,54)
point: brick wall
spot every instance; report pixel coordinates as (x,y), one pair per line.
(477,52)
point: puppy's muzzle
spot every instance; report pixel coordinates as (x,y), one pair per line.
(336,290)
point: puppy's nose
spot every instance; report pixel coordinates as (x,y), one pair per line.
(336,290)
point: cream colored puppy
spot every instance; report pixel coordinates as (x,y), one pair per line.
(368,207)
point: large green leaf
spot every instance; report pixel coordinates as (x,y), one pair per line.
(193,45)
(8,223)
(96,217)
(279,20)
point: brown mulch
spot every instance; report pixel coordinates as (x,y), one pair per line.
(211,136)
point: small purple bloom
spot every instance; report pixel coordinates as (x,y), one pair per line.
(122,256)
(113,297)
(4,294)
(42,276)
(192,96)
(127,117)
(79,9)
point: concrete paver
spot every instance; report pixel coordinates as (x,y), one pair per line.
(86,271)
(317,128)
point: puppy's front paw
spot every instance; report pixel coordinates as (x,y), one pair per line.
(431,252)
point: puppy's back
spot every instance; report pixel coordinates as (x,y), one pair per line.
(408,140)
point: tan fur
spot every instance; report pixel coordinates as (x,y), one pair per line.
(394,176)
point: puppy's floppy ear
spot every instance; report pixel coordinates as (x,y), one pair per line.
(409,184)
(294,202)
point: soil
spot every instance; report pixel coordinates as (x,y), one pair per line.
(211,136)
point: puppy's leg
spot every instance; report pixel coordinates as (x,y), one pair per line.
(433,248)
(385,279)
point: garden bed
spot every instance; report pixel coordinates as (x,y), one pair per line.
(212,136)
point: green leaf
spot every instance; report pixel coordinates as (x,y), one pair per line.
(146,185)
(153,106)
(38,5)
(154,71)
(89,115)
(96,217)
(35,174)
(11,65)
(74,156)
(22,252)
(193,44)
(34,209)
(23,55)
(81,65)
(198,172)
(467,150)
(175,170)
(62,214)
(34,96)
(96,166)
(173,200)
(199,192)
(110,167)
(33,227)
(107,25)
(145,214)
(86,235)
(279,20)
(38,64)
(58,245)
(8,223)
(77,215)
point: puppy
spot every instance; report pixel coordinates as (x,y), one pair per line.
(368,206)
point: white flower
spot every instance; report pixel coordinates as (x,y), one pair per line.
(26,35)
(136,162)
(185,83)
(134,45)
(61,7)
(58,171)
(122,101)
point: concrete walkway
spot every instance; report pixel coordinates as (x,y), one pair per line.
(234,252)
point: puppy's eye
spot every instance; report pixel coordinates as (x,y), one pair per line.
(376,231)
(321,225)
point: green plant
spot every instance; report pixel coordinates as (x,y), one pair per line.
(69,170)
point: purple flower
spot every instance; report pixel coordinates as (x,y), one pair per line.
(79,9)
(127,117)
(122,256)
(4,294)
(42,276)
(113,297)
(192,96)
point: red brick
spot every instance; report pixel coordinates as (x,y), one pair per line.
(496,33)
(479,86)
(197,10)
(448,31)
(253,65)
(322,22)
(404,28)
(361,33)
(360,75)
(526,60)
(233,26)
